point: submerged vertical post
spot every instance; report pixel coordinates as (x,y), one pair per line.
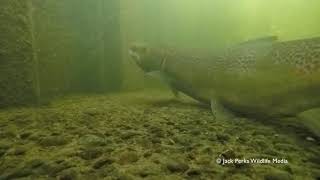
(112,45)
(35,62)
(101,22)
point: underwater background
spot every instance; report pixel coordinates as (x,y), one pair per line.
(73,104)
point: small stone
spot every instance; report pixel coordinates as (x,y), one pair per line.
(54,168)
(147,154)
(102,162)
(129,134)
(128,157)
(147,170)
(196,132)
(36,137)
(123,176)
(155,140)
(90,153)
(92,111)
(68,174)
(55,133)
(191,155)
(177,166)
(19,151)
(157,131)
(25,135)
(194,172)
(182,140)
(204,160)
(19,173)
(223,138)
(35,163)
(242,138)
(53,141)
(92,140)
(228,154)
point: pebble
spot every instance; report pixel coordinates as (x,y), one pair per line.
(228,154)
(128,157)
(53,141)
(25,135)
(92,111)
(92,140)
(157,131)
(52,169)
(147,154)
(204,160)
(223,138)
(147,170)
(155,140)
(182,140)
(129,134)
(19,150)
(243,138)
(68,174)
(90,153)
(102,162)
(34,163)
(177,166)
(17,173)
(194,172)
(196,132)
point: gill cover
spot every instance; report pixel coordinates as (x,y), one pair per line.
(147,58)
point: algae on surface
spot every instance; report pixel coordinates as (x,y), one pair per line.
(147,135)
(16,60)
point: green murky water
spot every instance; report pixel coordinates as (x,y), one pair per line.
(74,105)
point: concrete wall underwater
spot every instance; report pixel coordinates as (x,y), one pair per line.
(50,48)
(17,78)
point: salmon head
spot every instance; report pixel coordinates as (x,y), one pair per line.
(147,58)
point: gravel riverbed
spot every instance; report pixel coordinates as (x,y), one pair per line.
(148,135)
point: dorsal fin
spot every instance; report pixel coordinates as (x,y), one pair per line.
(260,41)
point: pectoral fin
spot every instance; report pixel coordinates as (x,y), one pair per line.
(161,76)
(175,92)
(155,74)
(219,111)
